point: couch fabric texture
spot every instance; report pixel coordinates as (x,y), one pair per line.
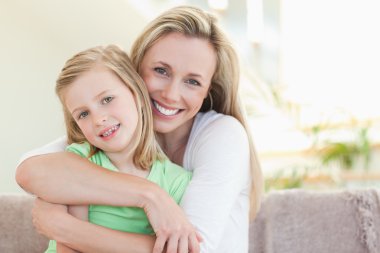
(291,221)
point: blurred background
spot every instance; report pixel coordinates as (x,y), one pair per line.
(310,75)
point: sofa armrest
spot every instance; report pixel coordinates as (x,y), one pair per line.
(17,234)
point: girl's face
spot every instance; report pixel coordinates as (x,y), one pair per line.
(104,109)
(177,71)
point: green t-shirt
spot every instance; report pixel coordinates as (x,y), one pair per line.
(169,176)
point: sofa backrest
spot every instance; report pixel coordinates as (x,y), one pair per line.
(291,221)
(297,221)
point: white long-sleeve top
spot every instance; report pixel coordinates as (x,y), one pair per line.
(217,198)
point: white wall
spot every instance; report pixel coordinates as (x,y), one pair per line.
(37,37)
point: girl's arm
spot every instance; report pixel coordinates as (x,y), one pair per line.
(66,178)
(53,221)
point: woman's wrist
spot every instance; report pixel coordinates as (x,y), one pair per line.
(61,228)
(150,196)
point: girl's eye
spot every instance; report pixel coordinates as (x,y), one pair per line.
(106,100)
(193,82)
(83,115)
(161,71)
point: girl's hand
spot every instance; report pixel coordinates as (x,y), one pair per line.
(47,217)
(171,226)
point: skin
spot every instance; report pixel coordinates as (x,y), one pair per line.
(178,80)
(182,82)
(100,103)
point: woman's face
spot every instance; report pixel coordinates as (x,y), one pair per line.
(177,71)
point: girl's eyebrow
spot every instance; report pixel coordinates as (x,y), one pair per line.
(95,98)
(77,109)
(101,94)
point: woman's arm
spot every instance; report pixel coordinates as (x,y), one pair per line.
(62,248)
(217,198)
(66,178)
(79,212)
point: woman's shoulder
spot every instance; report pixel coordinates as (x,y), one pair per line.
(215,135)
(215,123)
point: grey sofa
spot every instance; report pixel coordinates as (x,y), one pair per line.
(292,221)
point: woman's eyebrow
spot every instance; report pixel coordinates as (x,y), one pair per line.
(166,65)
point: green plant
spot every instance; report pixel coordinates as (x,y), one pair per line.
(286,178)
(346,153)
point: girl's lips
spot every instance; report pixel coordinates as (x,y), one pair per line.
(165,110)
(109,131)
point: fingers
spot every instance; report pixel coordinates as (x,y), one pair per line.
(194,243)
(198,236)
(172,245)
(175,244)
(159,244)
(183,245)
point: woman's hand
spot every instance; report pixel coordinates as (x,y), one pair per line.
(47,217)
(171,226)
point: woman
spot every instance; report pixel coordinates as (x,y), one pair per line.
(192,76)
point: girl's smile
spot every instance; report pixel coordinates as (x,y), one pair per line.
(104,109)
(109,132)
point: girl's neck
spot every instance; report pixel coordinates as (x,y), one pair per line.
(124,163)
(174,143)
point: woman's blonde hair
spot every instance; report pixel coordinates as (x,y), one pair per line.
(223,95)
(144,146)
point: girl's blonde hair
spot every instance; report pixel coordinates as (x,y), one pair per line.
(144,146)
(223,95)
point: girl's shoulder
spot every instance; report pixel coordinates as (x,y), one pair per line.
(166,169)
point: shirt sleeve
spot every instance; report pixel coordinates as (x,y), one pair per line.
(55,146)
(220,160)
(82,149)
(179,181)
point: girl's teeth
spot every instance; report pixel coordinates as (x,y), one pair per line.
(165,111)
(110,131)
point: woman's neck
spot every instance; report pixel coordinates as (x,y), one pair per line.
(174,143)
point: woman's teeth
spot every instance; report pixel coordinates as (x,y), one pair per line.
(165,111)
(111,130)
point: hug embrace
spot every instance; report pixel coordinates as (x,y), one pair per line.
(158,156)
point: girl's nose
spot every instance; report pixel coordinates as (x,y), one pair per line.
(100,119)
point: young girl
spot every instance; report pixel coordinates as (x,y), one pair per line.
(191,72)
(109,121)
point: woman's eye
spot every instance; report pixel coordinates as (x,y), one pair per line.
(83,115)
(106,100)
(193,82)
(161,71)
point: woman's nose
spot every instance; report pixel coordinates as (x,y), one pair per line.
(171,92)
